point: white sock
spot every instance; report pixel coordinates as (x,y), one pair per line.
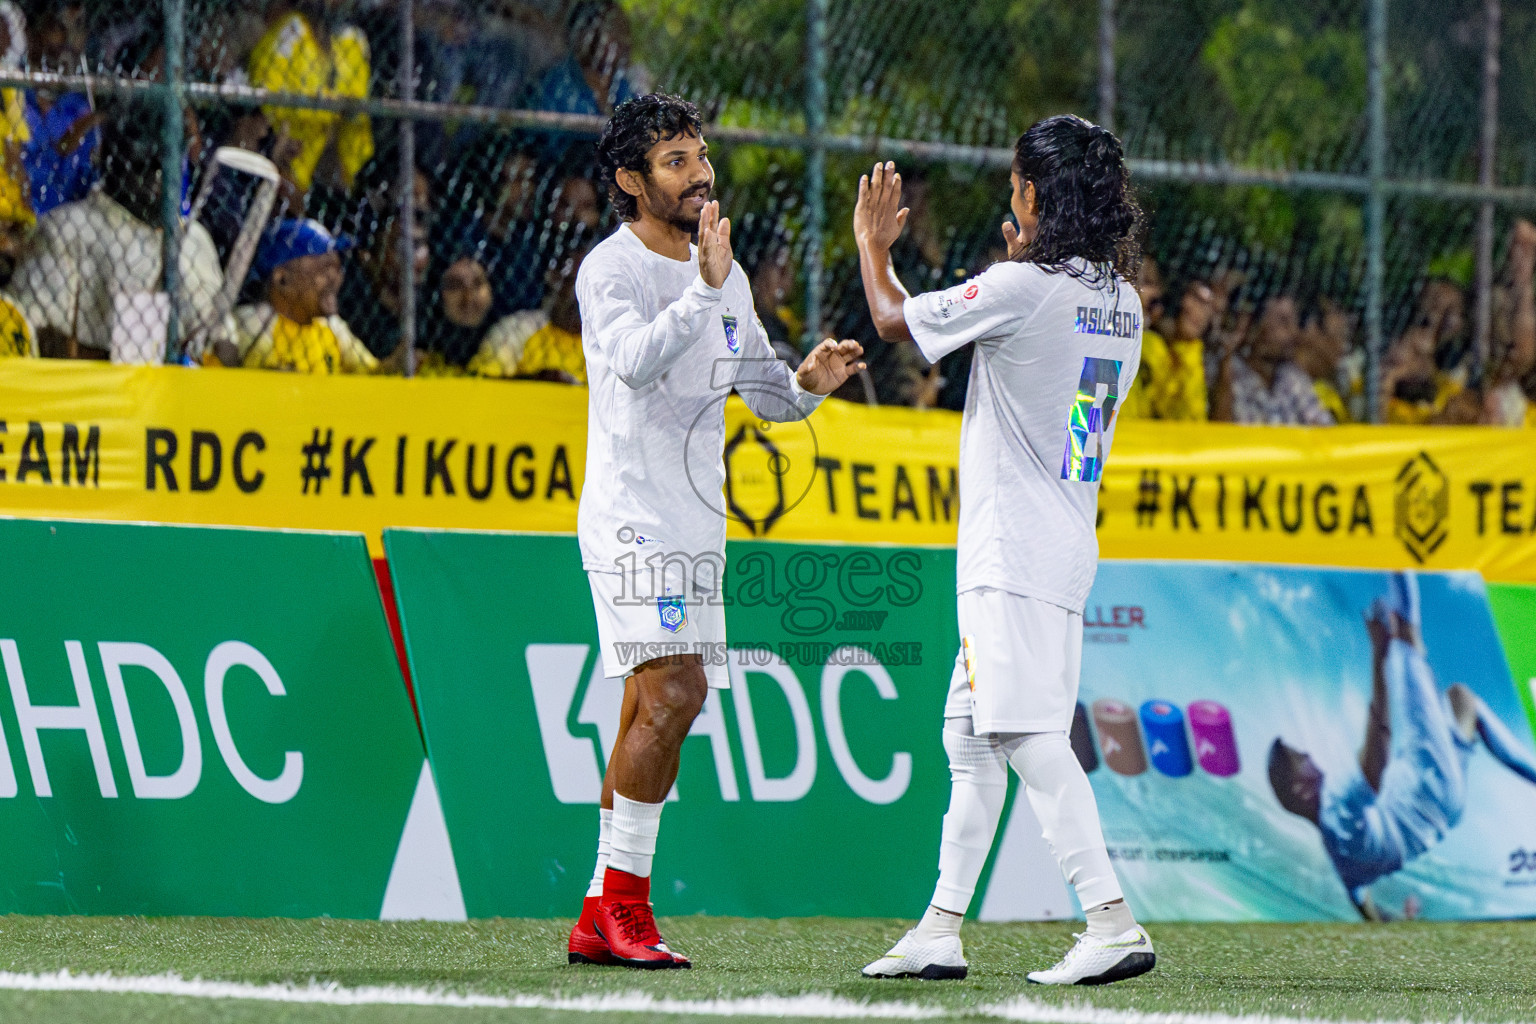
(1109,920)
(977,790)
(604,850)
(936,924)
(634,835)
(1063,801)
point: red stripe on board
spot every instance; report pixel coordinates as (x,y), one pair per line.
(392,615)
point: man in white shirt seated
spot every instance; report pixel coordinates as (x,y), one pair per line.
(91,282)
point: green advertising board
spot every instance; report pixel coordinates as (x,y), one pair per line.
(200,721)
(819,769)
(1514,610)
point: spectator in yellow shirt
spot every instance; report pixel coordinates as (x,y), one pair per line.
(16,335)
(1414,390)
(15,133)
(460,317)
(1320,352)
(300,54)
(297,328)
(539,344)
(1172,374)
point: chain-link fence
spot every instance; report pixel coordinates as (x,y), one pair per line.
(1366,164)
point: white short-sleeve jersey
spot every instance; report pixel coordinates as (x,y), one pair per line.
(1054,360)
(664,350)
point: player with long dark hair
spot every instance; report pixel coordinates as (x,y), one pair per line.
(1057,335)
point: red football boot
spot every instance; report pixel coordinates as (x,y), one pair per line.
(625,922)
(586,946)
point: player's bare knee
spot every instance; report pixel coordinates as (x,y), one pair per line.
(671,697)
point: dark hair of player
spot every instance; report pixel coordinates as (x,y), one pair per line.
(1083,191)
(637,125)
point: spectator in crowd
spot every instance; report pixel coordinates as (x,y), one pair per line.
(16,335)
(1264,385)
(1513,339)
(297,328)
(1172,374)
(302,52)
(1151,289)
(485,54)
(1414,389)
(597,76)
(459,317)
(522,216)
(1443,304)
(575,204)
(15,132)
(91,279)
(772,274)
(1231,318)
(1320,351)
(540,344)
(489,204)
(61,126)
(370,292)
(229,198)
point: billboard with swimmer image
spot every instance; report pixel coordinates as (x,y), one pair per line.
(1271,743)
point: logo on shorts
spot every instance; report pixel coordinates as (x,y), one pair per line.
(732,340)
(673,613)
(968,646)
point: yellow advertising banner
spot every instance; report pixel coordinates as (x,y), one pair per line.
(170,444)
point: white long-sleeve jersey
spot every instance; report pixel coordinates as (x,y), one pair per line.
(664,350)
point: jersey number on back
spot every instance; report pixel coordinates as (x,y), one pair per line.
(1093,410)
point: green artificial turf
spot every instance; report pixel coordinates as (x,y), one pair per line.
(1410,971)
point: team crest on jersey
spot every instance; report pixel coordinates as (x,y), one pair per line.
(732,339)
(673,613)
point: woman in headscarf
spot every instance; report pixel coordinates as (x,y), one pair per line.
(459,315)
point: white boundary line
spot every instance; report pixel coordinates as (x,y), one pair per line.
(825,1006)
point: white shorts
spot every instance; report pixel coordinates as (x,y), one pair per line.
(1018,666)
(632,630)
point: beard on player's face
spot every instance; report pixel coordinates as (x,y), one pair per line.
(673,207)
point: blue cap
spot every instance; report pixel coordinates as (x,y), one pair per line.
(294,239)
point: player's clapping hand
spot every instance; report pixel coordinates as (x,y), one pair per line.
(829,365)
(714,245)
(879,216)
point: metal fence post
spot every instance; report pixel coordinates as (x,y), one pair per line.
(1376,203)
(1107,64)
(815,165)
(173,158)
(1487,154)
(407,193)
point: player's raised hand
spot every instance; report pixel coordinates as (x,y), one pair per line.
(879,216)
(1011,238)
(829,365)
(714,245)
